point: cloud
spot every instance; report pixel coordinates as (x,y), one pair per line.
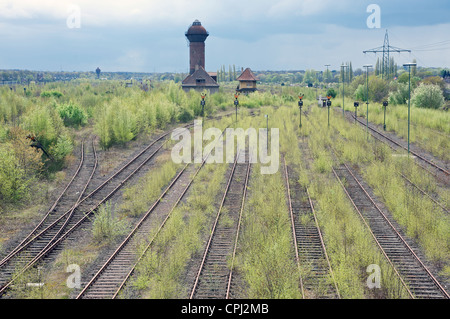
(148,35)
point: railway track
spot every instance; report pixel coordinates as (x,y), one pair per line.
(434,198)
(50,227)
(40,245)
(214,277)
(50,215)
(310,251)
(415,186)
(115,272)
(425,161)
(409,182)
(416,278)
(414,275)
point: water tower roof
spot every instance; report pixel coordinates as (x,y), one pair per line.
(196,29)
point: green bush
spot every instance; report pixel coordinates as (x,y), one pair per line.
(63,147)
(185,115)
(331,92)
(428,96)
(72,114)
(51,93)
(13,182)
(106,227)
(400,96)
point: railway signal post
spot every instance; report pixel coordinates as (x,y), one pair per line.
(202,103)
(236,102)
(356,105)
(385,104)
(300,105)
(328,105)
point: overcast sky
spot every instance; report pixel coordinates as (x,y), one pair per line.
(148,35)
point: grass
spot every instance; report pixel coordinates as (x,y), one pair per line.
(138,198)
(415,213)
(429,129)
(159,274)
(264,258)
(106,227)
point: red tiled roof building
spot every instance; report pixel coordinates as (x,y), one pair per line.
(247,81)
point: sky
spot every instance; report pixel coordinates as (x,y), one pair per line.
(148,35)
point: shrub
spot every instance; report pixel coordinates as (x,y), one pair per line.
(63,147)
(72,114)
(428,96)
(331,92)
(51,93)
(185,115)
(106,227)
(13,182)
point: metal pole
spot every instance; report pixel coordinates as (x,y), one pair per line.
(409,97)
(384,119)
(328,115)
(343,88)
(367,101)
(409,103)
(327,65)
(300,117)
(367,66)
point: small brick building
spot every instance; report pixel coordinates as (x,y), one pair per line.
(247,81)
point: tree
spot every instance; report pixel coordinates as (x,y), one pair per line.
(437,80)
(310,77)
(414,69)
(428,96)
(378,90)
(13,182)
(401,95)
(331,92)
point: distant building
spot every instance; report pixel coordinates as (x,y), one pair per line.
(198,78)
(247,81)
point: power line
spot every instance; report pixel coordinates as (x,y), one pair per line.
(386,49)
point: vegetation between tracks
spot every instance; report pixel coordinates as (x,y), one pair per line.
(421,219)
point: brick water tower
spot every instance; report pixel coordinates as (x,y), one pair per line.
(196,34)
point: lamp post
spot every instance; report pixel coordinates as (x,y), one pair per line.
(343,88)
(327,65)
(409,65)
(367,66)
